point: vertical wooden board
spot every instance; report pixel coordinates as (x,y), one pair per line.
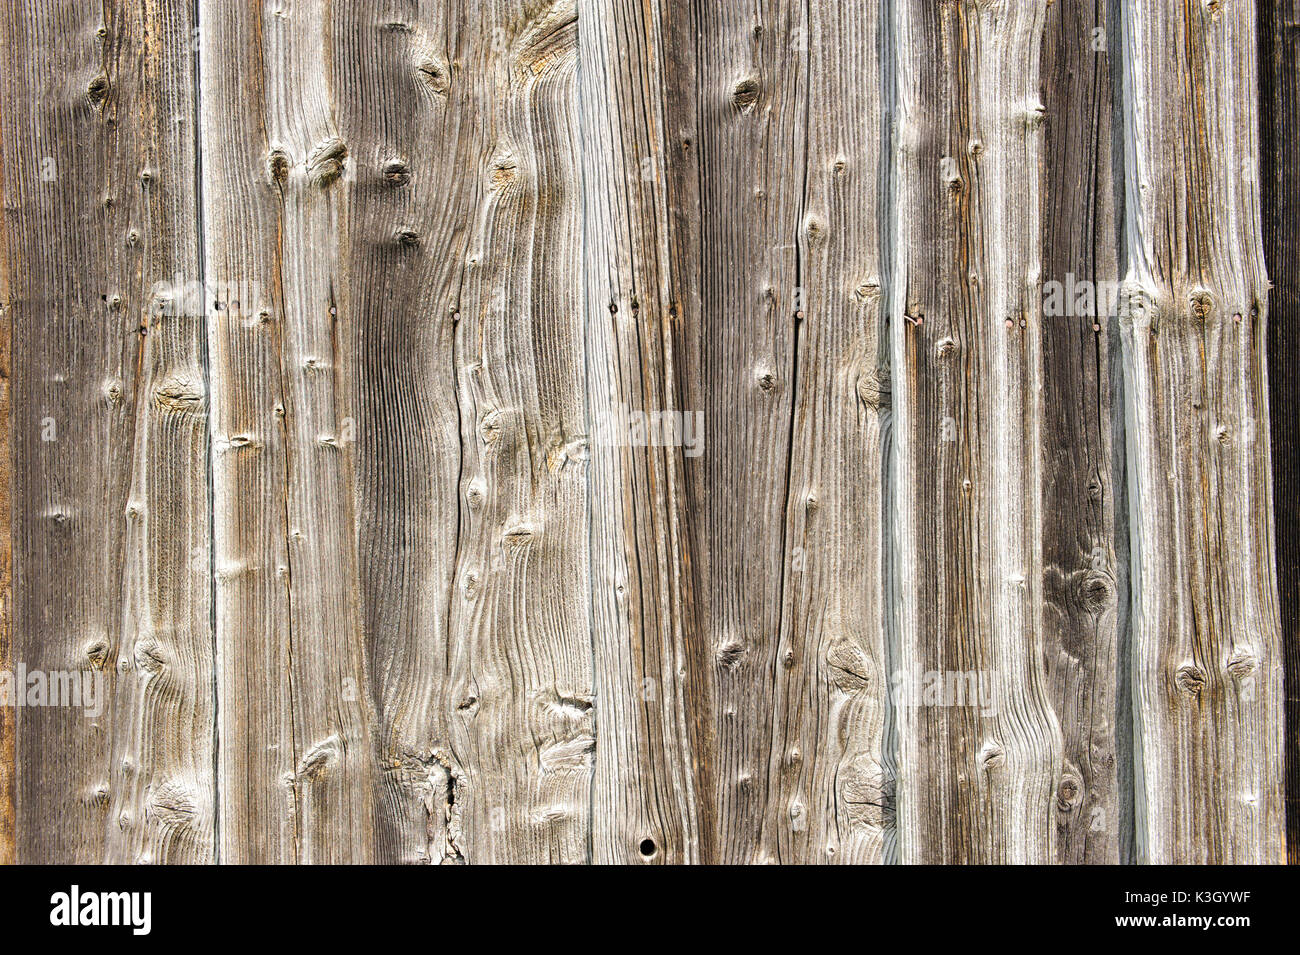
(8,723)
(407,112)
(297,766)
(1207,652)
(980,748)
(109,432)
(653,665)
(521,664)
(829,788)
(1279,48)
(752,131)
(1084,537)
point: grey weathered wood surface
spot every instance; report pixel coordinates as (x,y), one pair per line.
(108,433)
(372,576)
(1207,648)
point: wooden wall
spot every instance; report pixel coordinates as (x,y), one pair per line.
(666,431)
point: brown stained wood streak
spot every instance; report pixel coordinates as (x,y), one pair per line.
(1207,649)
(109,438)
(1279,48)
(980,759)
(1084,538)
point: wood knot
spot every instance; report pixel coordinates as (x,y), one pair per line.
(1096,593)
(814,229)
(325,165)
(489,428)
(521,535)
(874,389)
(868,291)
(179,396)
(850,667)
(1242,663)
(1068,793)
(745,95)
(435,76)
(396,172)
(1202,305)
(504,172)
(992,755)
(97,654)
(1190,679)
(317,761)
(278,163)
(730,653)
(97,91)
(173,805)
(149,657)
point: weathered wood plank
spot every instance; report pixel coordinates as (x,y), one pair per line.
(652,797)
(521,665)
(109,436)
(1279,50)
(411,134)
(1207,651)
(752,114)
(829,787)
(1084,537)
(410,202)
(298,776)
(8,723)
(976,775)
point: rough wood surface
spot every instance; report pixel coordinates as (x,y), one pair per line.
(652,797)
(1084,535)
(977,777)
(830,783)
(637,432)
(109,431)
(1207,648)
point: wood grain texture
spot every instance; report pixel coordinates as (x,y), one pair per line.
(109,436)
(636,431)
(977,777)
(521,657)
(830,785)
(8,721)
(652,797)
(400,493)
(1084,534)
(1279,44)
(297,766)
(1207,651)
(751,110)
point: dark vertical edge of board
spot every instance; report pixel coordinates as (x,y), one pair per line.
(1279,37)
